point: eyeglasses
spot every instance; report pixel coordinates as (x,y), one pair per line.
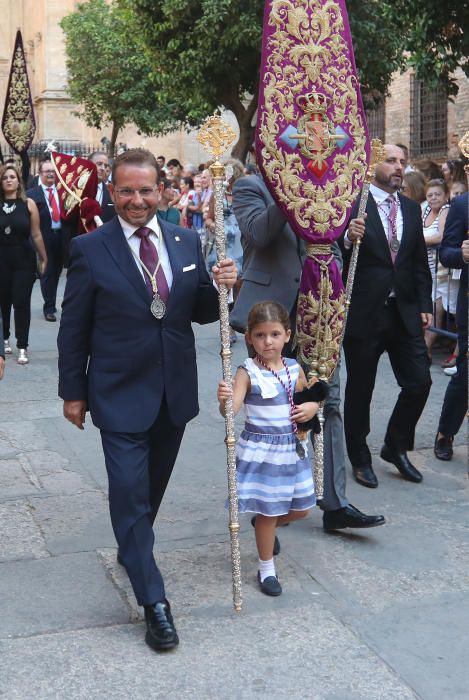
(127,192)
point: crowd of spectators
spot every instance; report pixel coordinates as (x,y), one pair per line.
(434,186)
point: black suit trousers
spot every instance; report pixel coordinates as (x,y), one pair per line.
(410,364)
(139,466)
(455,401)
(54,245)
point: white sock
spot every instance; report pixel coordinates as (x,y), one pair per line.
(266,569)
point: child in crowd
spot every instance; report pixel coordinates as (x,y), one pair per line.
(273,469)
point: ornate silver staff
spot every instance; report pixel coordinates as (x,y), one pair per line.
(464,147)
(216,136)
(377,155)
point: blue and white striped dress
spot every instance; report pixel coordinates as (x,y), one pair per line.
(272,479)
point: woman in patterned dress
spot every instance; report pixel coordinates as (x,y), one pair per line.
(273,469)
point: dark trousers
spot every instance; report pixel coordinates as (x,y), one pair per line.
(17,276)
(455,402)
(139,466)
(410,364)
(49,281)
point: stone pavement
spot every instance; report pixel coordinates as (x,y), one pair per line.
(381,614)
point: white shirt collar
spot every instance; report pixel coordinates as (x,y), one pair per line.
(380,195)
(46,188)
(129,229)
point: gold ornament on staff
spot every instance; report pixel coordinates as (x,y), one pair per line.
(377,155)
(216,136)
(464,148)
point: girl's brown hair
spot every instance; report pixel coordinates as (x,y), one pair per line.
(414,186)
(20,191)
(266,311)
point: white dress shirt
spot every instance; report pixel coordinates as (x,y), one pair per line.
(99,193)
(156,238)
(379,196)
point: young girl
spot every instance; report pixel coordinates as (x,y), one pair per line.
(274,473)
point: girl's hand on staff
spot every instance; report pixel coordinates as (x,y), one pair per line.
(224,392)
(305,411)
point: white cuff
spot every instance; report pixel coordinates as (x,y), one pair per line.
(347,242)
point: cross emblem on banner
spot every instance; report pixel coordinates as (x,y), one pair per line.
(315,136)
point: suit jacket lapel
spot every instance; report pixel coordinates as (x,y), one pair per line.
(172,242)
(116,243)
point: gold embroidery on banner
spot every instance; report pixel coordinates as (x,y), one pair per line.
(83,179)
(306,48)
(19,127)
(319,324)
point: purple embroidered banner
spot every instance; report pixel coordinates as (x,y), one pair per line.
(18,123)
(312,148)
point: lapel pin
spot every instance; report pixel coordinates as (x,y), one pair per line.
(176,238)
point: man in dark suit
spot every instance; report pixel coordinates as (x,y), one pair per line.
(391,306)
(272,261)
(101,160)
(2,349)
(131,361)
(454,253)
(52,229)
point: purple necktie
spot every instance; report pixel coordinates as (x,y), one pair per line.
(392,205)
(149,256)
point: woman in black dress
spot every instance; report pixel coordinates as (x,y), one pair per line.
(19,224)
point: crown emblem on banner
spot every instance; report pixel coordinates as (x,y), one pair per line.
(313,103)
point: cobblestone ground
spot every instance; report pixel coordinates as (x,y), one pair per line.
(373,615)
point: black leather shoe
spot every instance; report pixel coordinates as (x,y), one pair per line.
(402,464)
(276,541)
(443,448)
(50,317)
(270,585)
(161,632)
(349,517)
(119,559)
(365,476)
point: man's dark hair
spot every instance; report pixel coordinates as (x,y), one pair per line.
(174,162)
(44,159)
(136,156)
(163,158)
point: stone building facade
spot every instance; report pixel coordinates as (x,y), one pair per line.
(424,120)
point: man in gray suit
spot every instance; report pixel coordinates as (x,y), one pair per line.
(272,261)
